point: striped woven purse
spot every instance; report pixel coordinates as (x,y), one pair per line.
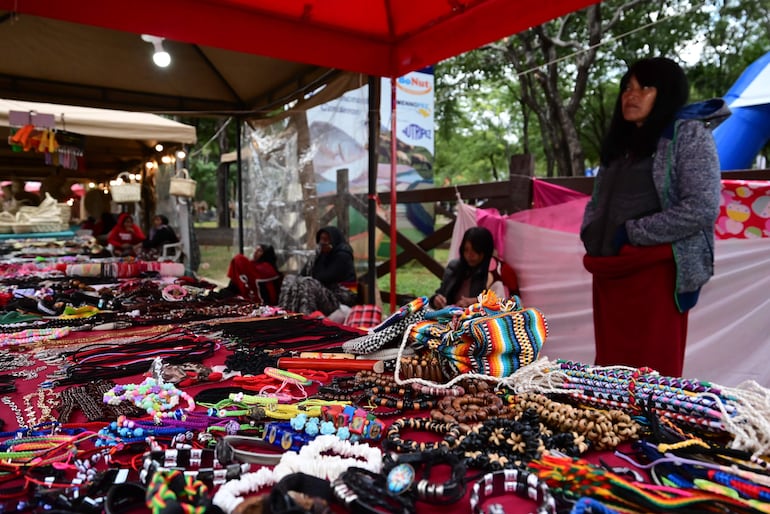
(496,345)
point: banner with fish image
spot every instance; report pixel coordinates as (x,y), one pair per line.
(339,136)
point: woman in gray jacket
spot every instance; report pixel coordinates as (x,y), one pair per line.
(648,230)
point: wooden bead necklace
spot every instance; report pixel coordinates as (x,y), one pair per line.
(467,410)
(605,429)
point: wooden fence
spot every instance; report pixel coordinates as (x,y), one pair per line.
(508,196)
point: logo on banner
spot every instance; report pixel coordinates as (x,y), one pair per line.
(414,131)
(414,85)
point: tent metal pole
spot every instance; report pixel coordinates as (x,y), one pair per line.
(238,136)
(393,167)
(374,129)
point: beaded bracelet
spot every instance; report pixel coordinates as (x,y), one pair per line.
(327,457)
(401,475)
(284,436)
(393,441)
(523,483)
(203,464)
(128,432)
(227,451)
(362,491)
(228,496)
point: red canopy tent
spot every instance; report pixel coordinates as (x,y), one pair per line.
(379,37)
(385,38)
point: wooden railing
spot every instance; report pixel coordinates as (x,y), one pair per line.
(512,195)
(509,196)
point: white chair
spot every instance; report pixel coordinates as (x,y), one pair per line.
(171,252)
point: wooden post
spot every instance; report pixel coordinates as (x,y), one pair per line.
(343,202)
(310,211)
(520,172)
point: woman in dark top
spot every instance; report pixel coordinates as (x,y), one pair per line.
(648,230)
(327,281)
(160,234)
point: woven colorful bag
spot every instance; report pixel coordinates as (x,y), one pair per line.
(496,345)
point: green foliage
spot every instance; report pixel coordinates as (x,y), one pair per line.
(535,78)
(215,137)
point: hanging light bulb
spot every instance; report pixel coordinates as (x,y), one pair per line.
(161,57)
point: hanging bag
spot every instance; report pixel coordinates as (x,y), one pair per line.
(182,184)
(129,191)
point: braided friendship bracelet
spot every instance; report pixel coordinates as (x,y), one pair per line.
(173,491)
(523,483)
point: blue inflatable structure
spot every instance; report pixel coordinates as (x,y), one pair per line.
(741,136)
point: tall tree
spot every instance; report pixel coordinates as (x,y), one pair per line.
(562,75)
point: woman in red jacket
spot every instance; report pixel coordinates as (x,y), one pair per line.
(125,236)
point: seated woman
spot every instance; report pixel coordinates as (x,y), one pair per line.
(160,234)
(257,279)
(125,236)
(324,283)
(475,271)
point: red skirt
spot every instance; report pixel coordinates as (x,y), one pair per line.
(636,319)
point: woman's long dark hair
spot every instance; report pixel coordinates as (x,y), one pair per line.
(481,241)
(624,137)
(268,255)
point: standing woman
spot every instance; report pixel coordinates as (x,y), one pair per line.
(327,281)
(648,229)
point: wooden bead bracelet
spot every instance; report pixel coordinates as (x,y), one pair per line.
(394,442)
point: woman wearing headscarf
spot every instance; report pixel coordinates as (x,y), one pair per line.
(124,236)
(161,234)
(327,281)
(648,230)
